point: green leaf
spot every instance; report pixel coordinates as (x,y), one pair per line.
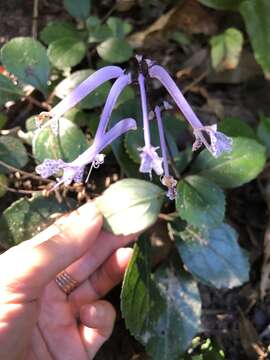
(263,132)
(57,30)
(12,152)
(115,50)
(200,202)
(67,145)
(156,308)
(96,98)
(119,28)
(257,20)
(25,218)
(130,205)
(99,33)
(233,169)
(66,52)
(222,4)
(8,91)
(235,127)
(3,185)
(213,255)
(79,9)
(26,58)
(226,49)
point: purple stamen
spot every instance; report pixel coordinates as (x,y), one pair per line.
(167,180)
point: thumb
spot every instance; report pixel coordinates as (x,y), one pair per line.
(32,266)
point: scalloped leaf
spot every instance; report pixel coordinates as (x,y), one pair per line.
(130,206)
(67,145)
(27,59)
(66,52)
(24,218)
(157,307)
(241,165)
(79,9)
(200,202)
(115,50)
(213,256)
(8,91)
(56,30)
(12,152)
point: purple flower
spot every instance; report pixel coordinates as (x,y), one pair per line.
(73,171)
(218,141)
(149,157)
(81,91)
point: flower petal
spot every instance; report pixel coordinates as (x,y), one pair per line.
(150,161)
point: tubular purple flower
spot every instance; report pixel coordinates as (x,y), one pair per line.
(149,157)
(218,141)
(113,95)
(74,170)
(85,88)
(167,180)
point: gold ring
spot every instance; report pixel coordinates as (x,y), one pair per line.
(66,282)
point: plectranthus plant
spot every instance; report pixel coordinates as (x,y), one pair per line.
(172,170)
(215,141)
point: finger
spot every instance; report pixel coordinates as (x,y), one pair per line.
(103,280)
(97,325)
(41,263)
(105,244)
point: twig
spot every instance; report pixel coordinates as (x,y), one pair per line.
(35,19)
(21,191)
(195,81)
(14,169)
(42,105)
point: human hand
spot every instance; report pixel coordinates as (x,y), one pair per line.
(37,319)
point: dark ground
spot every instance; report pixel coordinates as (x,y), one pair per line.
(234,318)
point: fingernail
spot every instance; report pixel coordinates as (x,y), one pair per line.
(96,311)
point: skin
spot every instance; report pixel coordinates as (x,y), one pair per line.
(37,319)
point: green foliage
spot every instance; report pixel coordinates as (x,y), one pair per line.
(157,307)
(257,20)
(235,127)
(12,152)
(263,132)
(67,145)
(233,169)
(226,49)
(130,205)
(115,50)
(66,52)
(25,218)
(8,91)
(213,255)
(26,58)
(96,98)
(200,202)
(57,30)
(79,9)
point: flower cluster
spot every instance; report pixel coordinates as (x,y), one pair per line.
(215,141)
